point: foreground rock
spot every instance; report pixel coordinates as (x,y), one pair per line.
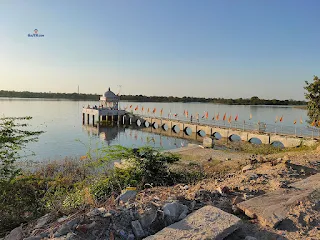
(207,142)
(206,223)
(15,234)
(273,207)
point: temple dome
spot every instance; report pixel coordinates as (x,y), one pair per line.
(110,95)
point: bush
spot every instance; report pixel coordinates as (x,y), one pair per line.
(20,202)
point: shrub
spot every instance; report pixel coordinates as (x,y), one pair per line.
(20,202)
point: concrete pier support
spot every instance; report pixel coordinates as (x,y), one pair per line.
(92,119)
(88,118)
(83,118)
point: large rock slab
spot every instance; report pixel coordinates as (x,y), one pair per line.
(206,223)
(207,142)
(15,234)
(273,207)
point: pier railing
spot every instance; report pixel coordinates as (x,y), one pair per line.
(279,129)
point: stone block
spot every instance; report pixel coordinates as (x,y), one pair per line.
(206,223)
(137,229)
(15,234)
(271,208)
(174,212)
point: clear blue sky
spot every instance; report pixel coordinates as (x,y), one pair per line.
(213,48)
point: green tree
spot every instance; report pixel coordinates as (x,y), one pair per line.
(19,199)
(313,97)
(13,139)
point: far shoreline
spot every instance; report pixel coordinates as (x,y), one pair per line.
(304,107)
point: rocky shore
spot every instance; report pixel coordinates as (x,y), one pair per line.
(255,197)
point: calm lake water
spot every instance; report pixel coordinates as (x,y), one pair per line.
(65,136)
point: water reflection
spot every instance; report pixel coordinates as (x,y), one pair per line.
(133,136)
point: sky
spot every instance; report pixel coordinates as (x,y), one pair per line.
(207,48)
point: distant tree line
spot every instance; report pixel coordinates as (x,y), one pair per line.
(71,96)
(239,101)
(141,98)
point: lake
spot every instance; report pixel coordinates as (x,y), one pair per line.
(65,136)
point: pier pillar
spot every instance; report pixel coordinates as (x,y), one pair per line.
(83,118)
(109,118)
(92,119)
(104,117)
(88,118)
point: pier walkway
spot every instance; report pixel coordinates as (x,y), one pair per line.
(267,133)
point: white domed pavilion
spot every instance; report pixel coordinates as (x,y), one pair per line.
(109,100)
(107,111)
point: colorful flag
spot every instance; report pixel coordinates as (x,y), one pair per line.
(313,123)
(154,110)
(207,115)
(187,113)
(236,119)
(224,117)
(217,118)
(229,120)
(130,106)
(161,111)
(176,115)
(250,117)
(213,118)
(281,119)
(136,108)
(142,109)
(295,121)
